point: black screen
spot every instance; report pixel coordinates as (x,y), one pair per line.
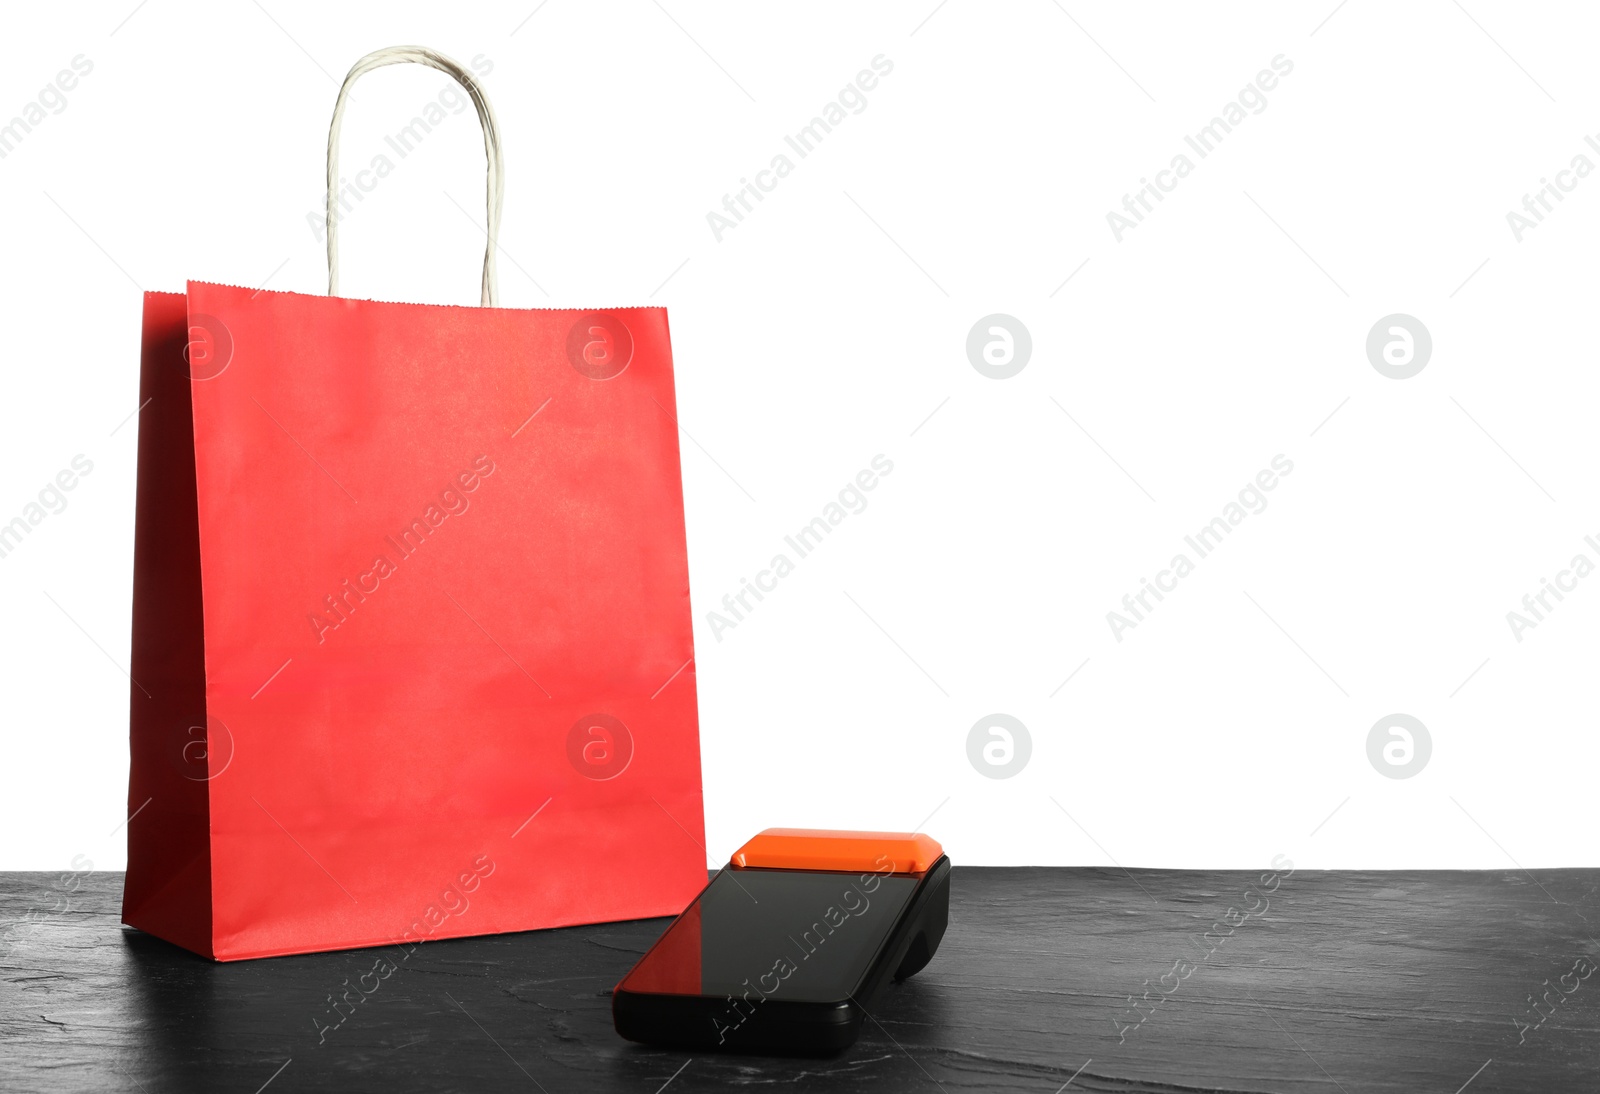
(779,934)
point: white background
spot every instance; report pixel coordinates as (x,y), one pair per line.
(1226,329)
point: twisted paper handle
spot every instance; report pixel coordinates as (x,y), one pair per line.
(494,195)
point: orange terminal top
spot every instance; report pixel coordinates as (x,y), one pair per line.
(824,849)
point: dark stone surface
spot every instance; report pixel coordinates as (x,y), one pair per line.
(1348,981)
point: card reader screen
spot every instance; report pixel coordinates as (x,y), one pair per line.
(780,934)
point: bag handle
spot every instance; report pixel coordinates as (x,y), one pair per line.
(494,189)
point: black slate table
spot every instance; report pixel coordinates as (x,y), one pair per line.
(1083,979)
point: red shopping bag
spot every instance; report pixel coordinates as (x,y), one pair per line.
(411,625)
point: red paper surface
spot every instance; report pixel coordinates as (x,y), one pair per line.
(492,500)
